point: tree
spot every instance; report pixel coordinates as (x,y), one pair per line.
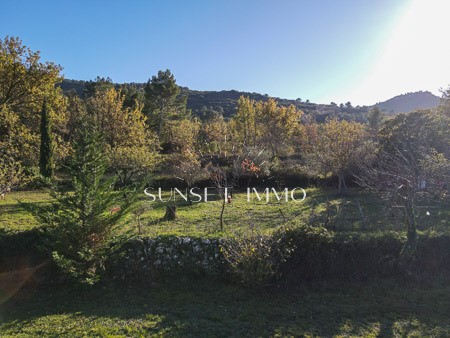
(81,225)
(226,177)
(130,145)
(265,123)
(98,85)
(162,100)
(244,122)
(186,166)
(375,118)
(11,173)
(15,138)
(277,124)
(338,145)
(25,82)
(46,164)
(214,136)
(410,166)
(180,135)
(444,105)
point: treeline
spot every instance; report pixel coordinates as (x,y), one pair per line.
(203,104)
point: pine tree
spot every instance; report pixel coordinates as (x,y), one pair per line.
(163,101)
(81,225)
(46,151)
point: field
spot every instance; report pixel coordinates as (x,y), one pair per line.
(358,211)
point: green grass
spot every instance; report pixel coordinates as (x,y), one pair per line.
(214,309)
(202,219)
(204,309)
(13,217)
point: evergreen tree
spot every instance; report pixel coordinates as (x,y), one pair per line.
(81,225)
(375,119)
(163,101)
(46,151)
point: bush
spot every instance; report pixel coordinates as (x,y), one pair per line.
(256,259)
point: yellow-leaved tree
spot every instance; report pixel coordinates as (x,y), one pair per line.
(335,147)
(131,145)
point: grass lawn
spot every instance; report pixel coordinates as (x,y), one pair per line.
(358,211)
(214,309)
(13,217)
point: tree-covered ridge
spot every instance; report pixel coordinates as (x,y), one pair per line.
(225,102)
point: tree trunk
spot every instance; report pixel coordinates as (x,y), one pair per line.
(342,185)
(171,213)
(407,255)
(410,222)
(188,194)
(221,214)
(139,225)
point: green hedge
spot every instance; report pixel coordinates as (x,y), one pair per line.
(322,255)
(315,254)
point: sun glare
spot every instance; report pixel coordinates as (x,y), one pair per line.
(415,56)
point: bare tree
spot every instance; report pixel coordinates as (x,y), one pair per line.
(187,167)
(226,177)
(408,168)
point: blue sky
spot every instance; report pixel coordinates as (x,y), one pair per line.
(323,51)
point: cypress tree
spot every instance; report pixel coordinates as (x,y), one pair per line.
(46,150)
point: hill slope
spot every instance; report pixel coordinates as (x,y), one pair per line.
(409,102)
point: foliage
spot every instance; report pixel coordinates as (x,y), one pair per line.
(81,225)
(277,124)
(130,145)
(11,173)
(409,167)
(24,80)
(374,119)
(214,136)
(16,140)
(186,167)
(100,84)
(163,101)
(46,164)
(335,147)
(180,135)
(245,123)
(24,83)
(256,259)
(265,124)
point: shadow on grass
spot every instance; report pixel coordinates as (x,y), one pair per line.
(208,308)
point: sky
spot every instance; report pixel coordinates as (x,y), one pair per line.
(361,51)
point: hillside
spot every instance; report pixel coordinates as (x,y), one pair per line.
(409,102)
(205,103)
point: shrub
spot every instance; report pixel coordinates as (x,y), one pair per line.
(255,260)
